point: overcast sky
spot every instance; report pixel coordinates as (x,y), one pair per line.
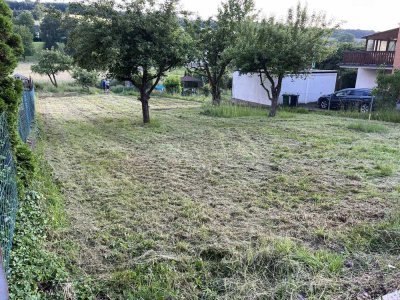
(377,15)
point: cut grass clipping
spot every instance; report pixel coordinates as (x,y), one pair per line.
(368,127)
(200,207)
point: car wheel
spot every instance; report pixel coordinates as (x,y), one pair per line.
(324,104)
(364,108)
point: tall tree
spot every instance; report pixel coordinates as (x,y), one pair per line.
(273,49)
(25,18)
(214,39)
(138,41)
(38,11)
(27,40)
(51,29)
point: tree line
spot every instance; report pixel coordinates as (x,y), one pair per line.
(141,41)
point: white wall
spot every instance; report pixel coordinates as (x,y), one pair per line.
(366,78)
(247,87)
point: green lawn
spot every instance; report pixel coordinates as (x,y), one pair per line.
(196,206)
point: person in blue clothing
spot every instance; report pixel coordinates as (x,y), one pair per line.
(107,86)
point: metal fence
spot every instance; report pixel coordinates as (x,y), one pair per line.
(8,175)
(26,114)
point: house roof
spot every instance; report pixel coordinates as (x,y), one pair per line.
(190,79)
(387,35)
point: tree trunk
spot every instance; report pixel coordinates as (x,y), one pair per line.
(51,79)
(216,94)
(144,98)
(274,106)
(55,81)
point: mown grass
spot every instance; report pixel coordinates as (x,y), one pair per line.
(224,205)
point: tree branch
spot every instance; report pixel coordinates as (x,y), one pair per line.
(264,87)
(154,85)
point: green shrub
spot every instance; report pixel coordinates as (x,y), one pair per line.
(206,90)
(11,94)
(388,90)
(85,78)
(173,85)
(33,267)
(124,90)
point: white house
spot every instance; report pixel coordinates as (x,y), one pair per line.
(308,86)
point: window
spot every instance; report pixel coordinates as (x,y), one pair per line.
(367,93)
(382,46)
(370,45)
(342,93)
(392,46)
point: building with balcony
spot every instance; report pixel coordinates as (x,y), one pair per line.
(382,53)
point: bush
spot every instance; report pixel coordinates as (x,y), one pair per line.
(206,90)
(173,85)
(388,90)
(124,90)
(85,78)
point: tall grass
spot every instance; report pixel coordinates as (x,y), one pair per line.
(368,127)
(233,111)
(392,115)
(63,87)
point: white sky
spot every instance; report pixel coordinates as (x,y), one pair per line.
(377,15)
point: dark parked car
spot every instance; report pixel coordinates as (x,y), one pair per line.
(360,99)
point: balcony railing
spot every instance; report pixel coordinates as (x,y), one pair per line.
(368,58)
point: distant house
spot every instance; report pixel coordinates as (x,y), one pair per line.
(308,86)
(190,82)
(382,52)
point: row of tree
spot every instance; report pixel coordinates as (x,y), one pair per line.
(141,41)
(50,31)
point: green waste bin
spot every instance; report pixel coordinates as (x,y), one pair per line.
(286,100)
(294,100)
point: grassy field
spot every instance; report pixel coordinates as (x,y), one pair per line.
(24,68)
(205,204)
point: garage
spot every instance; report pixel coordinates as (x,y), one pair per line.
(307,86)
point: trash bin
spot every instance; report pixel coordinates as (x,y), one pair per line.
(286,100)
(294,100)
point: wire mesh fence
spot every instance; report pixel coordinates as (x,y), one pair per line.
(8,175)
(8,192)
(26,114)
